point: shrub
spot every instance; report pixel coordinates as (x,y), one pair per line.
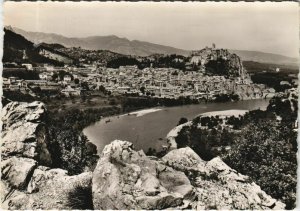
(80,198)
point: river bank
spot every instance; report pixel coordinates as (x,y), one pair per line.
(151,129)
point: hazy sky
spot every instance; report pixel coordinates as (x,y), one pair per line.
(269,27)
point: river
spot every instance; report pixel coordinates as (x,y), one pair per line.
(149,129)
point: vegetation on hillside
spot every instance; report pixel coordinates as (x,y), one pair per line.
(21,73)
(156,61)
(69,145)
(273,79)
(254,67)
(256,144)
(15,46)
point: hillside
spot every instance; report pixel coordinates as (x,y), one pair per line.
(262,57)
(18,49)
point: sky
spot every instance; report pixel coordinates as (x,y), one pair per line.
(262,26)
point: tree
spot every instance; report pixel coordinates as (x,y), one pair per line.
(142,89)
(85,85)
(102,89)
(266,152)
(182,121)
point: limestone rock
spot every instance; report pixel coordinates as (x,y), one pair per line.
(232,62)
(24,133)
(217,185)
(17,171)
(126,179)
(184,157)
(48,189)
(13,112)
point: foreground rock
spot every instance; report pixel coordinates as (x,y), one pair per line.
(24,132)
(47,189)
(217,185)
(127,179)
(26,182)
(17,171)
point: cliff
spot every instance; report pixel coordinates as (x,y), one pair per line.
(123,178)
(219,62)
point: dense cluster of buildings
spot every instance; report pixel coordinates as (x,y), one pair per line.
(158,82)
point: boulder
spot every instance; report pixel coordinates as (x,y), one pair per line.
(24,133)
(127,179)
(183,157)
(217,186)
(52,189)
(17,171)
(13,112)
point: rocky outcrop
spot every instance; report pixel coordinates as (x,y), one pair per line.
(24,132)
(217,185)
(17,171)
(47,189)
(127,179)
(26,182)
(219,61)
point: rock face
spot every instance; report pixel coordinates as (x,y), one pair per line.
(232,63)
(24,133)
(127,179)
(47,189)
(17,171)
(26,182)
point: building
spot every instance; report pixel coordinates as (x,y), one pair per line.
(71,91)
(27,66)
(45,76)
(67,78)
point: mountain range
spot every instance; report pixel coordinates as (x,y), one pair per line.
(140,48)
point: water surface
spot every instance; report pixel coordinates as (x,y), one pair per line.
(150,129)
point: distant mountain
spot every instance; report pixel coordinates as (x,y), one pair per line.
(140,48)
(262,57)
(111,43)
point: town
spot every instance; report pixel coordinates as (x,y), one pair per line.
(158,82)
(167,82)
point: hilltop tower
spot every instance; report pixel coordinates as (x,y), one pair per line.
(24,55)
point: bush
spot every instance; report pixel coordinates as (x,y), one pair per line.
(182,121)
(267,153)
(81,198)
